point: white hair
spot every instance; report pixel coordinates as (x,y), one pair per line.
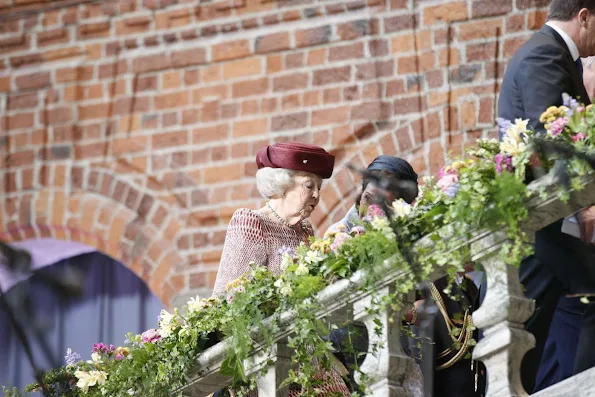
(274,182)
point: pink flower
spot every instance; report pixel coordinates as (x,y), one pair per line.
(358,230)
(375,211)
(503,162)
(150,336)
(579,137)
(447,170)
(119,357)
(557,126)
(449,184)
(340,238)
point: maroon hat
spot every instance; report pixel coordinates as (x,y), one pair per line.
(298,157)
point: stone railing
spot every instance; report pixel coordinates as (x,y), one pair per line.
(501,317)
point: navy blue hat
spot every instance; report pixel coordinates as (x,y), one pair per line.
(395,165)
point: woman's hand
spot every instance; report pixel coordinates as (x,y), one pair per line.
(411,316)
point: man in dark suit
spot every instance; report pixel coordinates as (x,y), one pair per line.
(547,66)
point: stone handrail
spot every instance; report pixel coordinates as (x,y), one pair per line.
(501,317)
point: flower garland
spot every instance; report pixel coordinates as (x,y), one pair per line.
(486,191)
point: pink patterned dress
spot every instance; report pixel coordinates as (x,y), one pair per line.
(251,236)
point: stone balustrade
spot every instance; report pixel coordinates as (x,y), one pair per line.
(501,318)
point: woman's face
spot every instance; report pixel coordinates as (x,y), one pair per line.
(374,195)
(303,196)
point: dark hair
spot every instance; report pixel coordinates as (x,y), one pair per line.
(565,10)
(408,194)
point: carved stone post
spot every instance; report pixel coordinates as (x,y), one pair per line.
(385,364)
(268,384)
(501,317)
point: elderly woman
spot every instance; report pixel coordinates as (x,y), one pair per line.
(289,176)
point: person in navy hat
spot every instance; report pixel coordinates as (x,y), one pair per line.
(456,374)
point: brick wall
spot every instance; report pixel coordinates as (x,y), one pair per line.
(132,125)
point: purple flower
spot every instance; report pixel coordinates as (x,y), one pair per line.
(99,348)
(569,102)
(71,357)
(284,250)
(119,357)
(503,125)
(150,336)
(557,126)
(358,230)
(503,162)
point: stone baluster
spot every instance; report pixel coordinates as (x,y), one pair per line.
(385,364)
(269,383)
(502,317)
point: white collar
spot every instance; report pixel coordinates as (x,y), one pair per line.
(569,42)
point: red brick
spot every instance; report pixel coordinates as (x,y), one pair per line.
(511,45)
(56,116)
(289,121)
(4,84)
(250,87)
(407,105)
(353,30)
(536,19)
(475,30)
(33,80)
(448,12)
(332,75)
(486,110)
(210,134)
(338,115)
(169,139)
(349,51)
(22,101)
(482,52)
(14,43)
(272,43)
(132,25)
(88,112)
(230,50)
(312,37)
(93,30)
(151,63)
(52,36)
(242,68)
(194,56)
(20,120)
(255,127)
(489,8)
(172,100)
(515,23)
(290,82)
(372,111)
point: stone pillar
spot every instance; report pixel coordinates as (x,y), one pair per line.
(502,317)
(385,364)
(269,383)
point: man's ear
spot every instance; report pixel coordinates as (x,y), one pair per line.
(583,17)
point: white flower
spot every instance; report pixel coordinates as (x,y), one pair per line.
(286,289)
(286,261)
(96,358)
(307,301)
(185,330)
(130,392)
(302,270)
(380,223)
(513,141)
(401,208)
(314,257)
(89,379)
(196,304)
(166,323)
(283,286)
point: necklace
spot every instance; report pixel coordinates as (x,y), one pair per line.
(283,221)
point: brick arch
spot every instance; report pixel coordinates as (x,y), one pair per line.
(142,237)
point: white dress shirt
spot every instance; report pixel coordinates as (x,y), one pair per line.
(569,42)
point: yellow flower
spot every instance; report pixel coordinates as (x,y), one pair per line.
(124,351)
(589,107)
(235,283)
(513,143)
(88,379)
(321,245)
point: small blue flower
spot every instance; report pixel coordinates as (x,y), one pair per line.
(284,250)
(71,357)
(503,125)
(569,102)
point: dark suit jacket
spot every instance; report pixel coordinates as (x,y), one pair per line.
(537,76)
(535,79)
